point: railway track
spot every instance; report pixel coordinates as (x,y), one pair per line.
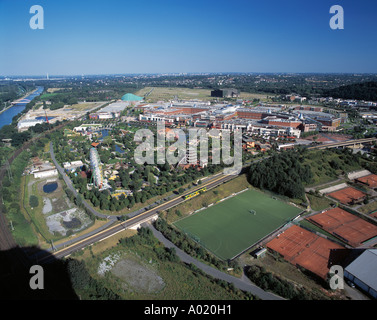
(7,242)
(134,221)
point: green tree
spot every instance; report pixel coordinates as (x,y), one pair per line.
(33,201)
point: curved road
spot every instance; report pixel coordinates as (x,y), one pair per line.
(70,186)
(243,284)
(141,218)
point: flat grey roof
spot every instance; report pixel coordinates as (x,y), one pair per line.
(365,268)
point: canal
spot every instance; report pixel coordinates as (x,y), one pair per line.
(7,116)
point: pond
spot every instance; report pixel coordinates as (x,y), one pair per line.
(50,187)
(118,149)
(44,118)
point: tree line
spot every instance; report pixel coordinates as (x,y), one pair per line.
(281,173)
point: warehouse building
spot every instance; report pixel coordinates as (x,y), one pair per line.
(46,173)
(23,125)
(363,272)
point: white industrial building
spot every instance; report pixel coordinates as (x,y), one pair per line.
(27,123)
(363,272)
(72,165)
(46,173)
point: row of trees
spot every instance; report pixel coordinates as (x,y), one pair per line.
(359,91)
(145,237)
(267,281)
(281,173)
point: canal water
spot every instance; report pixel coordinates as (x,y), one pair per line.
(7,116)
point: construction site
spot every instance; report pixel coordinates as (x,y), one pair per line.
(40,115)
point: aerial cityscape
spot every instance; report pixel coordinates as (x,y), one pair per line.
(188,151)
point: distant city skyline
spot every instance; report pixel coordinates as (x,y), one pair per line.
(172,37)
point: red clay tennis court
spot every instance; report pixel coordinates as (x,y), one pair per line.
(347,195)
(369,180)
(304,248)
(345,226)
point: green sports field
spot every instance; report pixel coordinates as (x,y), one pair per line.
(229,227)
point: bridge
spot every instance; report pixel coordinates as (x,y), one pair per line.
(20,101)
(354,143)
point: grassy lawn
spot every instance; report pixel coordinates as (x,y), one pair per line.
(319,161)
(167,93)
(178,281)
(47,96)
(23,232)
(211,196)
(318,203)
(85,106)
(369,208)
(228,227)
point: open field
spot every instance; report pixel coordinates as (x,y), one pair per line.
(369,208)
(52,90)
(329,165)
(229,227)
(85,106)
(318,203)
(67,112)
(168,93)
(136,272)
(220,192)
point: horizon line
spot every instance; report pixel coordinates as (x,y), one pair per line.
(43,76)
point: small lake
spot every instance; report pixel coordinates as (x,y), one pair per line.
(44,118)
(118,149)
(50,187)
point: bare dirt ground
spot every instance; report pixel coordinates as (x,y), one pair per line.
(137,276)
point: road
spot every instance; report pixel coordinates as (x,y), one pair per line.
(70,187)
(133,221)
(241,283)
(343,143)
(141,218)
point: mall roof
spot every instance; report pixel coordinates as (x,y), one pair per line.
(131,97)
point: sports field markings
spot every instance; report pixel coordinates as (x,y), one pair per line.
(234,223)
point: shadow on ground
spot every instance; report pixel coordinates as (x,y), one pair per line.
(15,277)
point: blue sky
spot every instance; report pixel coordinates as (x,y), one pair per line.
(164,36)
